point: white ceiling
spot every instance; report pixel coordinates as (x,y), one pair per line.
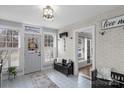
(64,15)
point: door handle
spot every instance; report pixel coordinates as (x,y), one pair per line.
(39,53)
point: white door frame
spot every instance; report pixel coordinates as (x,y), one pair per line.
(75,35)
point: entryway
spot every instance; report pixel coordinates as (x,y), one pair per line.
(85,54)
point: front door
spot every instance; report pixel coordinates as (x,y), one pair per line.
(32,53)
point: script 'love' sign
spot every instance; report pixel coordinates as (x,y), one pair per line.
(113,22)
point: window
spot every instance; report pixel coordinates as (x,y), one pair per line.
(9,46)
(8,38)
(84,48)
(89,48)
(81,48)
(48,41)
(49,47)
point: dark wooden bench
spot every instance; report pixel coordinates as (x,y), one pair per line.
(65,68)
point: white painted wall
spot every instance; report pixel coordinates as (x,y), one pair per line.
(110,47)
(69,47)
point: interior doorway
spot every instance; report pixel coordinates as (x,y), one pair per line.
(85,51)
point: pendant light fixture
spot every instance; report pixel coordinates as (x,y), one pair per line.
(48,13)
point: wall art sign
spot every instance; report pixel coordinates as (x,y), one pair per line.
(113,22)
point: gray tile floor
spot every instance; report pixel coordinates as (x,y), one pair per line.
(59,79)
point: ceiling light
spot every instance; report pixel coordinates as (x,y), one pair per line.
(48,13)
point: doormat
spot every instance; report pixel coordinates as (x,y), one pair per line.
(41,80)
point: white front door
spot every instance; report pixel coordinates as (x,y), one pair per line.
(32,53)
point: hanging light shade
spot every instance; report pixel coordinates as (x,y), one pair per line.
(48,13)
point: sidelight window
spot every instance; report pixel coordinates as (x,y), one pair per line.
(49,47)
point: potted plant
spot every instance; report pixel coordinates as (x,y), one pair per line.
(12,72)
